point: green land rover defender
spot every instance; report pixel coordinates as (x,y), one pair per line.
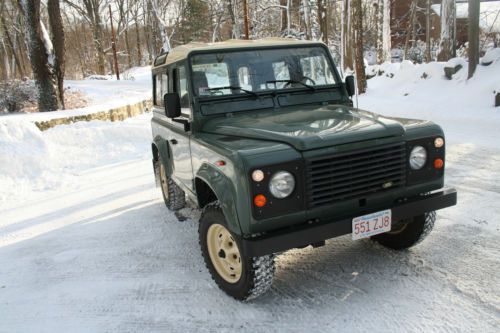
(263,137)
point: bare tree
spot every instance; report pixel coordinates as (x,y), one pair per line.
(346,36)
(357,15)
(235,29)
(41,55)
(447,23)
(473,36)
(386,31)
(411,26)
(428,30)
(92,11)
(57,32)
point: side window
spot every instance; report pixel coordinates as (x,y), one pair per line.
(182,88)
(157,87)
(161,88)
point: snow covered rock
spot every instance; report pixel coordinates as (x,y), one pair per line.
(453,66)
(490,57)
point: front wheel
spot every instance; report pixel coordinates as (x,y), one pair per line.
(409,233)
(241,277)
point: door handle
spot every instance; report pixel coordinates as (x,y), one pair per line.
(173,141)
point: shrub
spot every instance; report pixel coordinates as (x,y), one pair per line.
(15,95)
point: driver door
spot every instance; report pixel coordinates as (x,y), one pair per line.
(179,139)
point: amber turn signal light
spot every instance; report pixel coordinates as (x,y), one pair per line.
(259,200)
(438,163)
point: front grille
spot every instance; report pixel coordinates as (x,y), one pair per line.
(355,174)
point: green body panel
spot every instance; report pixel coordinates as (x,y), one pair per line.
(263,136)
(164,154)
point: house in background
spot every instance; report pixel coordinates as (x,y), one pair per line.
(401,13)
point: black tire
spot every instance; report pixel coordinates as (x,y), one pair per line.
(257,273)
(408,234)
(173,195)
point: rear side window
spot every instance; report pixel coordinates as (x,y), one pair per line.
(160,87)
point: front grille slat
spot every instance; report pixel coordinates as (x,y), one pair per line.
(333,177)
(377,178)
(356,174)
(359,164)
(345,159)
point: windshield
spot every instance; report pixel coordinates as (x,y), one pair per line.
(255,71)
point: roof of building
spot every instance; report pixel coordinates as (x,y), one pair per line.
(182,51)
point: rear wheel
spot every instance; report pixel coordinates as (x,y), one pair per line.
(408,233)
(173,195)
(239,276)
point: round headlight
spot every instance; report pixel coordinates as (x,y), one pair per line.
(281,184)
(418,157)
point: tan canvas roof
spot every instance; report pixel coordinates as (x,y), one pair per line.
(181,52)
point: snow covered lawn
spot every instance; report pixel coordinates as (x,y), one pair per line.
(87,245)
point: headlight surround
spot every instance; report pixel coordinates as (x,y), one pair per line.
(418,157)
(281,184)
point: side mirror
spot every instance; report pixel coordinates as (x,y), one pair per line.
(172,104)
(349,85)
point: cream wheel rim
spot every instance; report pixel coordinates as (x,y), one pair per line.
(224,253)
(163,180)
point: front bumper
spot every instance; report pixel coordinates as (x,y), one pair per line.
(315,233)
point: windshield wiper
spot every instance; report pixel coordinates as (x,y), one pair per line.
(234,88)
(293,81)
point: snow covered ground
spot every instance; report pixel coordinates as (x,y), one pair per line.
(87,245)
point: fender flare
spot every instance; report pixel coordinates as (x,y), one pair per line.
(225,192)
(164,154)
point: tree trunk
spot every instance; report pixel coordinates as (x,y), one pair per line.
(40,55)
(378,30)
(473,36)
(347,61)
(447,19)
(386,31)
(357,15)
(127,48)
(428,30)
(307,18)
(138,44)
(235,31)
(12,48)
(97,34)
(284,16)
(57,29)
(410,27)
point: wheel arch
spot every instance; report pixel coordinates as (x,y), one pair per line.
(211,185)
(161,153)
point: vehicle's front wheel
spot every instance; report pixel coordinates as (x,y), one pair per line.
(173,195)
(409,233)
(239,276)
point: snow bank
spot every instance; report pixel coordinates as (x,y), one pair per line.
(33,161)
(464,108)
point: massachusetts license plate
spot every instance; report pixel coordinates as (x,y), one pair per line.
(371,224)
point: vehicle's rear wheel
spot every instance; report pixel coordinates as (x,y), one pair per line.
(409,233)
(173,195)
(241,277)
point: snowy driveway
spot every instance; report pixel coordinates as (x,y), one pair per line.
(86,245)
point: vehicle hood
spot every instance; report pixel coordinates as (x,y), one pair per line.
(309,127)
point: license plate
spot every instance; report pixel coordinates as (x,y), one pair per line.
(371,224)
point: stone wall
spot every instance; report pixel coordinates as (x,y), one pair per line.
(115,114)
